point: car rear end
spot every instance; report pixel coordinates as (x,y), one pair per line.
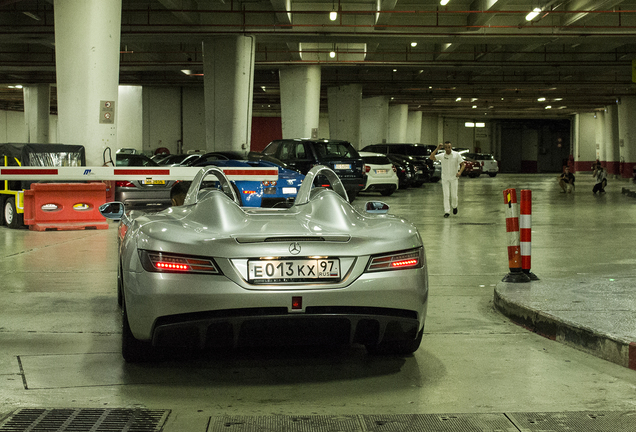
(341,157)
(265,294)
(147,194)
(381,174)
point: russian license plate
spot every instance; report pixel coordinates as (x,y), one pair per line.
(293,270)
(289,190)
(342,166)
(154,182)
(380,171)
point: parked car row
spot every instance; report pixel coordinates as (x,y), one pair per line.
(382,168)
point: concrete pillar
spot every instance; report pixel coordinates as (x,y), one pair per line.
(344,113)
(627,136)
(414,127)
(37,109)
(599,134)
(374,120)
(398,115)
(300,101)
(87,36)
(610,142)
(228,65)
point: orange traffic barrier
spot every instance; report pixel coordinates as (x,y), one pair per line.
(512,228)
(64,206)
(525,230)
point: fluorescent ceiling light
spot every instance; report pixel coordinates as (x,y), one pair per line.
(469,124)
(548,107)
(332,54)
(480,124)
(32,15)
(186,71)
(394,70)
(541,99)
(458,99)
(474,106)
(333,15)
(443,2)
(558,99)
(413,44)
(532,15)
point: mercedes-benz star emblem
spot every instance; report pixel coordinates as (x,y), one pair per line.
(294,248)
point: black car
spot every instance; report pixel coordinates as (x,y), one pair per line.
(303,154)
(414,153)
(406,171)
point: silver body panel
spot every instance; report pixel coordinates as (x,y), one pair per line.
(322,223)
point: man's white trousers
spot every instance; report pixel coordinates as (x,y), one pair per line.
(449,186)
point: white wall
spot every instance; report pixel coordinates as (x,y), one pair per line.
(193,119)
(161,118)
(12,127)
(129,118)
(429,130)
(374,120)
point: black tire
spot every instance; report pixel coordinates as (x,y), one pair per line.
(397,347)
(10,214)
(387,192)
(492,174)
(133,350)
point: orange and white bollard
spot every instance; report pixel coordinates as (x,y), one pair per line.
(525,230)
(514,248)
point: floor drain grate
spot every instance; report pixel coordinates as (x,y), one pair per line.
(85,420)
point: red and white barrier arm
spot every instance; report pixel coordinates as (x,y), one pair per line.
(61,174)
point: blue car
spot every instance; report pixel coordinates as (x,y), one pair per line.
(263,193)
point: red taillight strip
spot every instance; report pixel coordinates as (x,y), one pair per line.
(164,262)
(404,263)
(395,261)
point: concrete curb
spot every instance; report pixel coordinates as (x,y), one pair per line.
(576,335)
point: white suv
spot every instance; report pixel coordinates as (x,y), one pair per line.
(381,174)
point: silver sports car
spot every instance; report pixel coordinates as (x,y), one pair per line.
(212,275)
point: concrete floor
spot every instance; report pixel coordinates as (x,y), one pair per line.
(60,324)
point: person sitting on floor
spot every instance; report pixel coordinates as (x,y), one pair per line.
(566,180)
(600,174)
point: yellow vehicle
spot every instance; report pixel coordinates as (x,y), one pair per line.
(18,154)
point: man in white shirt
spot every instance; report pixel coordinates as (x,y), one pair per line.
(452,167)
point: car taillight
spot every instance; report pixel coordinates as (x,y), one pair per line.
(394,170)
(124,184)
(367,168)
(176,263)
(396,261)
(269,183)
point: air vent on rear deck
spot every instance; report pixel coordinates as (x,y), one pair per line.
(322,238)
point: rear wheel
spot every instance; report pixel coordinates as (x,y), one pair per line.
(132,349)
(12,218)
(120,296)
(492,174)
(397,347)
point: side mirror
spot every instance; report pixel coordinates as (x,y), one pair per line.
(115,210)
(112,210)
(376,207)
